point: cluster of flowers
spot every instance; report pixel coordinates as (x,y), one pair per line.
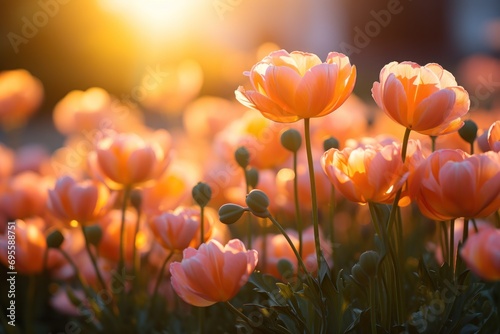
(117,200)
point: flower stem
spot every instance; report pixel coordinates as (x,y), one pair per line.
(158,279)
(121,261)
(92,259)
(312,181)
(135,257)
(249,217)
(373,320)
(202,225)
(297,255)
(332,225)
(451,246)
(296,199)
(238,313)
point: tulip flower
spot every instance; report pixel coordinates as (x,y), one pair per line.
(127,160)
(371,174)
(450,184)
(494,136)
(81,201)
(481,253)
(288,87)
(213,273)
(20,96)
(174,231)
(425,99)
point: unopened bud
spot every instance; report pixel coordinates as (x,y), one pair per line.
(285,268)
(252,177)
(230,213)
(369,263)
(94,234)
(331,143)
(202,194)
(468,131)
(258,202)
(291,140)
(242,156)
(359,275)
(55,239)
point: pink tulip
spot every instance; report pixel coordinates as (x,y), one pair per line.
(213,273)
(481,253)
(425,99)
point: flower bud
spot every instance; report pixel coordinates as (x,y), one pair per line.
(468,132)
(201,194)
(369,263)
(330,143)
(93,234)
(136,199)
(55,239)
(359,275)
(252,177)
(230,213)
(258,202)
(291,140)
(242,156)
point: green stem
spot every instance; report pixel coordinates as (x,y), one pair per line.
(264,244)
(296,199)
(135,257)
(201,320)
(29,309)
(79,277)
(202,225)
(158,279)
(472,148)
(433,143)
(121,261)
(297,255)
(332,222)
(398,293)
(451,246)
(497,219)
(312,181)
(239,314)
(92,259)
(404,148)
(373,320)
(249,217)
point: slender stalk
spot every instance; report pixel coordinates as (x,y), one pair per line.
(78,275)
(497,219)
(296,199)
(433,143)
(312,181)
(451,253)
(373,320)
(297,255)
(92,259)
(135,257)
(158,279)
(264,243)
(404,148)
(249,217)
(332,222)
(202,225)
(201,320)
(121,261)
(28,307)
(238,313)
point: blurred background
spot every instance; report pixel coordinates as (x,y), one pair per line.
(138,50)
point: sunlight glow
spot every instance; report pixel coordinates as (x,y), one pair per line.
(154,18)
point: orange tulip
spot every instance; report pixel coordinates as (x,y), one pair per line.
(291,86)
(494,136)
(82,201)
(370,174)
(425,99)
(174,231)
(24,196)
(126,159)
(481,253)
(20,96)
(451,184)
(213,273)
(30,247)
